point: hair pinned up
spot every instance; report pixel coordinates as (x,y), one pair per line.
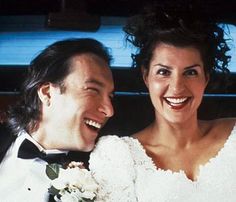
(181,29)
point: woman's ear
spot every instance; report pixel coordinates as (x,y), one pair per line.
(145,75)
(44,94)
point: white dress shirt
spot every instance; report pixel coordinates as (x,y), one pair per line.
(23,180)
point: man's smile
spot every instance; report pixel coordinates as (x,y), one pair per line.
(93,124)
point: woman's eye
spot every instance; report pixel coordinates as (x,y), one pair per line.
(191,72)
(163,72)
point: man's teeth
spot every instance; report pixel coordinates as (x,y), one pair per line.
(93,123)
(176,100)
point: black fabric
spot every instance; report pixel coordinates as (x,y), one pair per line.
(6,139)
(51,198)
(79,156)
(28,150)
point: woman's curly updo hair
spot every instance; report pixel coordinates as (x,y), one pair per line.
(155,26)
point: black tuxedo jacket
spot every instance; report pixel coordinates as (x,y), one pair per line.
(6,139)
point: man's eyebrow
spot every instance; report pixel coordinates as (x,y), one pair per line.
(96,82)
(93,81)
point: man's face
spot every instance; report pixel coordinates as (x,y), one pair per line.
(75,116)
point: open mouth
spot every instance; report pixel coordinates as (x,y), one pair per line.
(93,124)
(177,103)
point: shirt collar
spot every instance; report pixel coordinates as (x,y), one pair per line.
(24,135)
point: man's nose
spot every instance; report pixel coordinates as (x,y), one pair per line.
(106,108)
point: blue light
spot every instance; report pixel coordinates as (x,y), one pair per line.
(23,37)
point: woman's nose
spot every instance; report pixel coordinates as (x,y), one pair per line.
(177,84)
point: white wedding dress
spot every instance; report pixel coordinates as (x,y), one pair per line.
(126,174)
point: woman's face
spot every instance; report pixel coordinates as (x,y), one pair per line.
(176,82)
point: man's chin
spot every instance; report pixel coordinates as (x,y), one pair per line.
(86,146)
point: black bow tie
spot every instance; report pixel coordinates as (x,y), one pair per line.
(28,150)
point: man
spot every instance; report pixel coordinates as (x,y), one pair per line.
(66,100)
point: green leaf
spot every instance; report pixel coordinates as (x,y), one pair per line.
(52,170)
(87,200)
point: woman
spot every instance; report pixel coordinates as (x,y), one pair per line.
(177,157)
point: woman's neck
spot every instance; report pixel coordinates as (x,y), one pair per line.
(175,135)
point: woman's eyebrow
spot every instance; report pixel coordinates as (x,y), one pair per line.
(192,66)
(169,67)
(162,65)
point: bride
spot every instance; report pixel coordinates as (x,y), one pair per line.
(177,157)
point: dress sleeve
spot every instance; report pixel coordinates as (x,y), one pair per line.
(113,168)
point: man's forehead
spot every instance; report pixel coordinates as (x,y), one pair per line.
(88,57)
(91,70)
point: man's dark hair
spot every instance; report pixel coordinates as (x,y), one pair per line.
(51,65)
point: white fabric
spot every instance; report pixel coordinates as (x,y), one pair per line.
(126,173)
(23,180)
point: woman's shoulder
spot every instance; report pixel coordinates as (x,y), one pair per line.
(113,168)
(224,124)
(112,147)
(220,128)
(111,151)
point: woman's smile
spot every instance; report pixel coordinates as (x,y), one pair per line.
(177,103)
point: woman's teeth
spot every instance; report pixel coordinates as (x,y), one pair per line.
(176,101)
(93,123)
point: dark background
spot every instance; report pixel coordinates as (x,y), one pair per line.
(219,9)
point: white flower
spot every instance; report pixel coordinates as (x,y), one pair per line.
(71,197)
(74,184)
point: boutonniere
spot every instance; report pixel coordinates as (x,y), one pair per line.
(71,184)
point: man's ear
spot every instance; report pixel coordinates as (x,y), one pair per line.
(44,93)
(145,74)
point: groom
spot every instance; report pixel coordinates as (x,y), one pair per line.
(66,100)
